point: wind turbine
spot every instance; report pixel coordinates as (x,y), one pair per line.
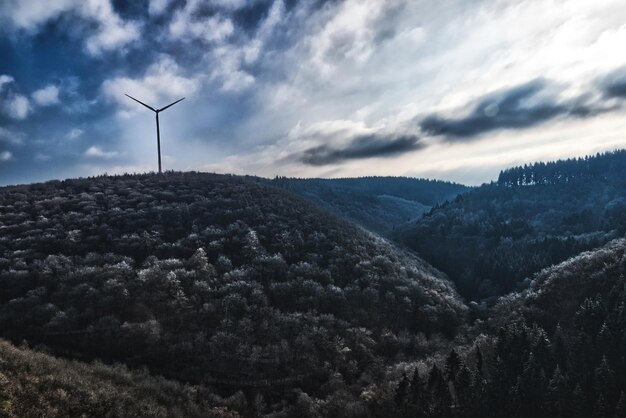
(157,122)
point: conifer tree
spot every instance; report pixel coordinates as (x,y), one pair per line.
(498,388)
(604,338)
(441,399)
(530,387)
(620,409)
(439,395)
(453,364)
(434,377)
(600,409)
(559,347)
(464,390)
(479,361)
(557,394)
(579,403)
(604,380)
(402,390)
(416,388)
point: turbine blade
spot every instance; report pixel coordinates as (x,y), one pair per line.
(149,107)
(171,104)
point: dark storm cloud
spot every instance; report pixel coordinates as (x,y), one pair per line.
(614,85)
(521,107)
(366,146)
(515,108)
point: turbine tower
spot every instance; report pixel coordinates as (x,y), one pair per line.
(157,122)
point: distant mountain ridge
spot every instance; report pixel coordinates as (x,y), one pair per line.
(380,204)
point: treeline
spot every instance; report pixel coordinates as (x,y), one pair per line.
(491,239)
(600,166)
(426,191)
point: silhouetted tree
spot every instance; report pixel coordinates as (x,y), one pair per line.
(402,391)
(453,364)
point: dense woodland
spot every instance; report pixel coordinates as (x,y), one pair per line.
(492,238)
(189,294)
(213,280)
(380,204)
(560,347)
(553,350)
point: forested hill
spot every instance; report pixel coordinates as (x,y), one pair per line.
(216,280)
(554,350)
(561,343)
(493,237)
(379,204)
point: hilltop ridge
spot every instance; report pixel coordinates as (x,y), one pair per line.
(212,278)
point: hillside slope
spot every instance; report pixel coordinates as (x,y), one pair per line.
(492,238)
(34,384)
(557,294)
(380,204)
(559,346)
(554,350)
(210,278)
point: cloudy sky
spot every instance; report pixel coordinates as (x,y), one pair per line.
(450,89)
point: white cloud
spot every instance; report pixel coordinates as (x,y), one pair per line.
(97,152)
(29,15)
(46,96)
(347,33)
(75,133)
(275,15)
(186,25)
(39,156)
(112,36)
(113,32)
(5,79)
(110,31)
(227,69)
(229,60)
(163,81)
(5,156)
(17,107)
(156,7)
(8,136)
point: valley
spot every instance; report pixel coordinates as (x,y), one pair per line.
(257,297)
